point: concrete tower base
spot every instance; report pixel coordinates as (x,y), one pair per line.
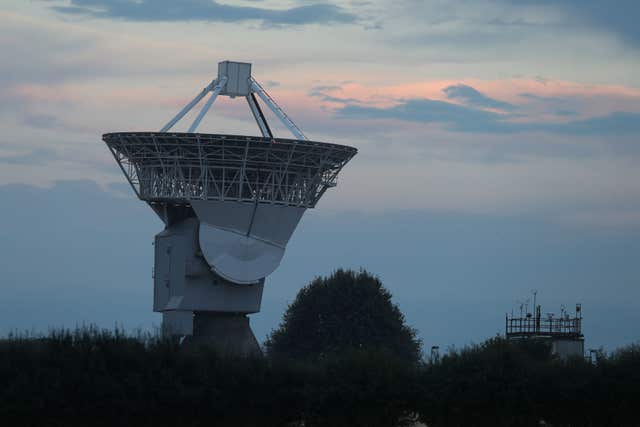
(229,333)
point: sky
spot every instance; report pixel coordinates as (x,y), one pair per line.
(498,152)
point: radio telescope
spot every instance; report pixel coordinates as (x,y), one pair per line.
(230,204)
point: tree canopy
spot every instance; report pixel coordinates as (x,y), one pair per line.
(346,311)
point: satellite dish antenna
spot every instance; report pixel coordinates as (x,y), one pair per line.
(230,204)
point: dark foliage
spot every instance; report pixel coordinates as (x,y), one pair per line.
(92,377)
(505,383)
(97,378)
(343,356)
(345,311)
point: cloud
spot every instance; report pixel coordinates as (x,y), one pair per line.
(619,17)
(539,98)
(325,88)
(473,97)
(41,121)
(320,92)
(329,98)
(467,119)
(616,123)
(74,53)
(566,113)
(456,117)
(205,10)
(38,156)
(56,53)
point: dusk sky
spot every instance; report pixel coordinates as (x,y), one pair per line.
(498,152)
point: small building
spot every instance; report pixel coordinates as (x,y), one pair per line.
(563,331)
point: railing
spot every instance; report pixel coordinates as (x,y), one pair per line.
(538,326)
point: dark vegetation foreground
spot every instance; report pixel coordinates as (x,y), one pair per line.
(369,374)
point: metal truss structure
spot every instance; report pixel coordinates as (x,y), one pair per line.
(179,167)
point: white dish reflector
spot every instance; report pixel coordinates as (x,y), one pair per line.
(241,259)
(244,242)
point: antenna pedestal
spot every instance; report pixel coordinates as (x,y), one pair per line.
(194,301)
(228,333)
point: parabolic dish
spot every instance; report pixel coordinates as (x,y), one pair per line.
(248,192)
(178,167)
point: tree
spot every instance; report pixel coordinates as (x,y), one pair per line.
(344,312)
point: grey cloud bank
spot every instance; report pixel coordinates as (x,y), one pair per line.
(39,156)
(205,10)
(473,97)
(619,17)
(41,121)
(456,116)
(464,118)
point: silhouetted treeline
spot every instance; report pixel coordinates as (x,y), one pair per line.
(504,383)
(91,377)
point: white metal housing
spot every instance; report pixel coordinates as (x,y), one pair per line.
(238,75)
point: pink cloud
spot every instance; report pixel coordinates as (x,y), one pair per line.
(543,100)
